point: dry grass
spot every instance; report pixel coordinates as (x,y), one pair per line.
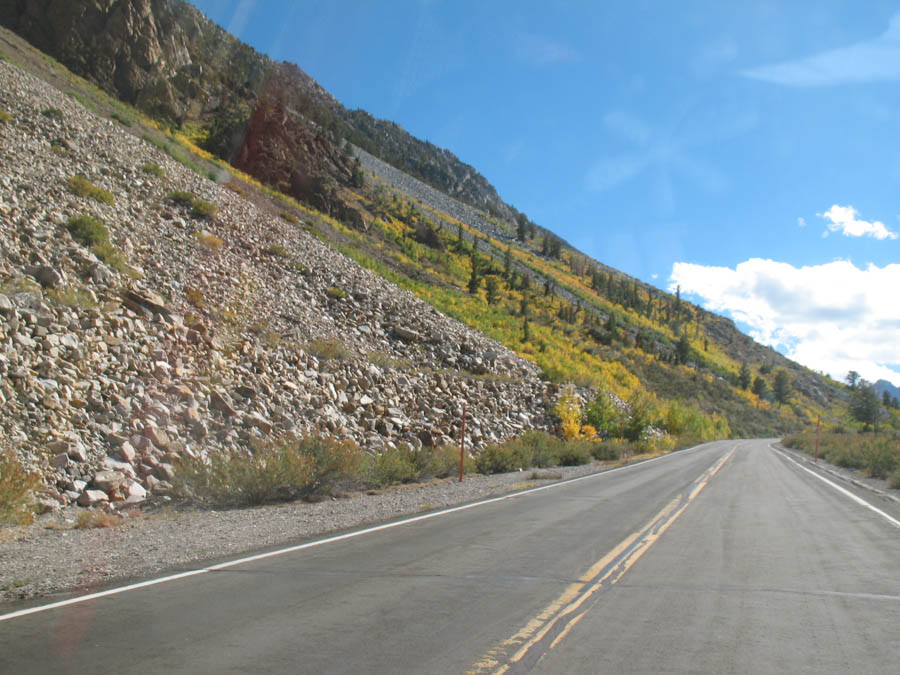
(91,520)
(329,349)
(16,486)
(208,240)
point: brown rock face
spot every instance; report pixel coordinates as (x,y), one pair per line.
(130,47)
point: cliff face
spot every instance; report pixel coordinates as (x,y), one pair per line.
(166,58)
(132,48)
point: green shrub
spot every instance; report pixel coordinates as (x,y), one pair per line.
(200,208)
(574,453)
(122,118)
(52,113)
(881,459)
(181,198)
(277,250)
(503,457)
(494,459)
(81,186)
(541,447)
(445,461)
(395,465)
(70,296)
(335,293)
(109,254)
(610,450)
(16,486)
(89,230)
(153,169)
(283,469)
(847,457)
(5,117)
(290,218)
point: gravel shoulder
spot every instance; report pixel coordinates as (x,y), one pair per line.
(854,477)
(51,556)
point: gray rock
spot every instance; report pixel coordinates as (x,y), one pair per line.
(406,334)
(92,498)
(45,275)
(108,480)
(218,401)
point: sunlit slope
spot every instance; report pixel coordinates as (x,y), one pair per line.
(579,320)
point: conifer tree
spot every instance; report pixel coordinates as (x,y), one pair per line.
(490,287)
(744,377)
(782,386)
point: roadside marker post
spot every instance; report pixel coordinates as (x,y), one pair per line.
(818,422)
(462,444)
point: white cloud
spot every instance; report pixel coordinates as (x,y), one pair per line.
(845,219)
(875,60)
(801,222)
(833,317)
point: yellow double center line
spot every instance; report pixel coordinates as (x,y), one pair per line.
(523,650)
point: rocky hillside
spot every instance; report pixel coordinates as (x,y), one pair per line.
(276,123)
(147,312)
(166,58)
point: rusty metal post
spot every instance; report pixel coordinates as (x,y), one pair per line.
(462,444)
(818,422)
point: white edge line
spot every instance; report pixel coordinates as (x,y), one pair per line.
(859,500)
(322,542)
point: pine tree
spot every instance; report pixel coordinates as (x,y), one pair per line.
(782,386)
(521,227)
(490,287)
(744,377)
(760,388)
(474,281)
(864,404)
(683,350)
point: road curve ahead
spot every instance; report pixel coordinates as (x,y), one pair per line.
(729,557)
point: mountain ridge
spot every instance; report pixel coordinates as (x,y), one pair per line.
(302,148)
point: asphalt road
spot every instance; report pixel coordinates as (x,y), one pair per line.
(724,558)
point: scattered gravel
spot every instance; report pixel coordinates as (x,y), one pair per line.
(51,556)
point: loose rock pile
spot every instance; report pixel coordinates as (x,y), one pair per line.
(206,332)
(428,195)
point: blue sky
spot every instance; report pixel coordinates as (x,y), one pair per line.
(748,152)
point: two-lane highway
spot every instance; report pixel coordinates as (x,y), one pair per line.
(723,558)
